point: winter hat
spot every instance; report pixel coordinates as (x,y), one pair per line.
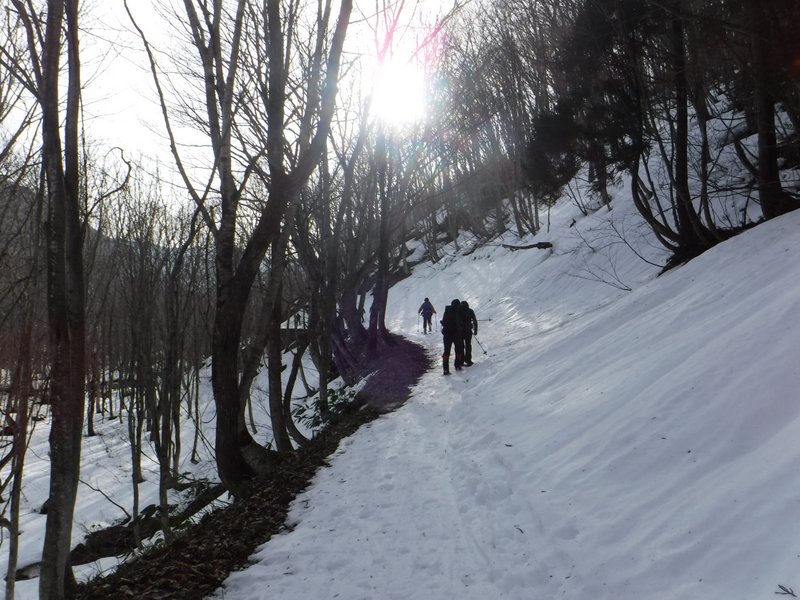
(426,300)
(455,302)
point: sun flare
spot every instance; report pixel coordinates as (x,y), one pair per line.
(399,94)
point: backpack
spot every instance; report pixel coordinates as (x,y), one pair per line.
(451,323)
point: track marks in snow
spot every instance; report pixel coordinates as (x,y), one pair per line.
(397,466)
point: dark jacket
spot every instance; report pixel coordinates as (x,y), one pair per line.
(451,321)
(469,324)
(426,309)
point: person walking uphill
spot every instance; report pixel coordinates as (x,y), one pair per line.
(427,311)
(452,335)
(469,326)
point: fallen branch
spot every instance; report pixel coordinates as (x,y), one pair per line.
(538,245)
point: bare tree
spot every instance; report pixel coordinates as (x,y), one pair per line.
(257,101)
(21,283)
(21,302)
(47,39)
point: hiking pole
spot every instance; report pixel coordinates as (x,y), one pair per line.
(479,344)
(418,318)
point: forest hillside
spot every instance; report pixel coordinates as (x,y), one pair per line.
(608,444)
(622,434)
(612,185)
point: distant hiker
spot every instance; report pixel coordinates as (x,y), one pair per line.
(469,326)
(452,335)
(427,311)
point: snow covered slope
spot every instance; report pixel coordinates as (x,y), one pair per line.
(610,444)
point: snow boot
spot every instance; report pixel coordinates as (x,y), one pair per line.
(446,364)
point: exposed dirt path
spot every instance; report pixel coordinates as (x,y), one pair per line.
(197,563)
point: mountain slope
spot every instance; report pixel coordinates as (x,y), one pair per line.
(611,444)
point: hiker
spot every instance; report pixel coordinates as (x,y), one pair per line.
(469,325)
(427,311)
(452,335)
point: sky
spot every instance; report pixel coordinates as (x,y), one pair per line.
(120,100)
(622,435)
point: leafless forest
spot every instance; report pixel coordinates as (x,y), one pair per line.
(116,288)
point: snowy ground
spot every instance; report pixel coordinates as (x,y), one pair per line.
(610,445)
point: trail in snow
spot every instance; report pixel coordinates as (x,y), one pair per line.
(423,501)
(395,468)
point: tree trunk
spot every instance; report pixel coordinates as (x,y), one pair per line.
(774,200)
(275,370)
(21,390)
(693,238)
(233,468)
(94,393)
(379,292)
(65,294)
(297,362)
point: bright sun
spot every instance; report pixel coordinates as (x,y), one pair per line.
(399,94)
